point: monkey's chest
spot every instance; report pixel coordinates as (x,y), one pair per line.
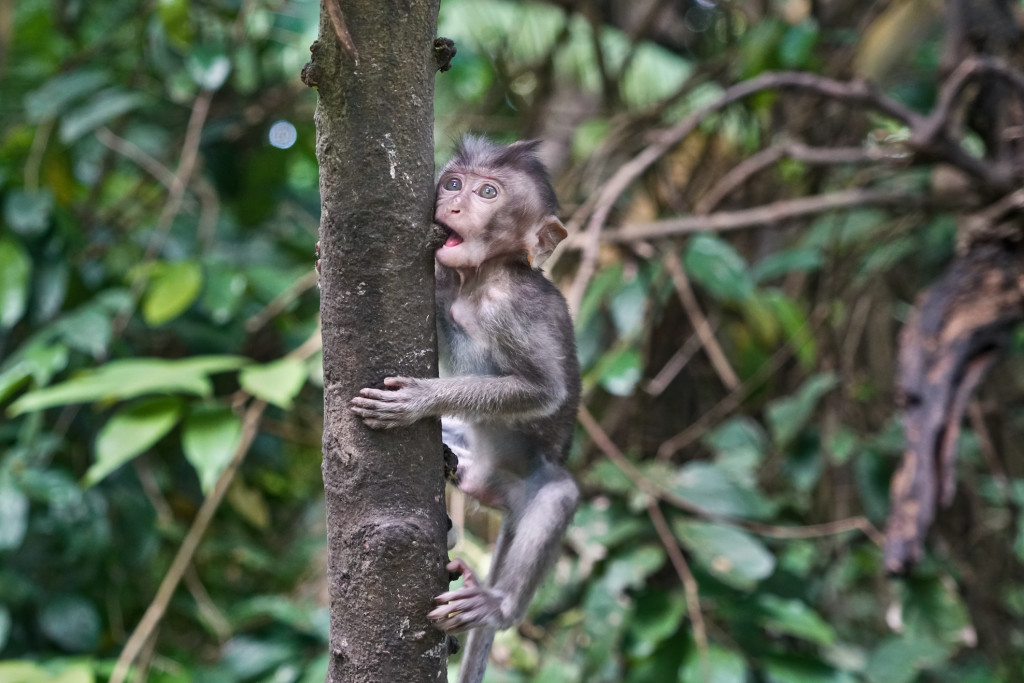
(465,345)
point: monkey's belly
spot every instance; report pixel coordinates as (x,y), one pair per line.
(498,464)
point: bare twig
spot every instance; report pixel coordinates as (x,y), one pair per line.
(158,607)
(972,68)
(854,92)
(186,166)
(155,612)
(756,163)
(656,490)
(700,323)
(690,586)
(282,301)
(134,153)
(788,209)
(676,363)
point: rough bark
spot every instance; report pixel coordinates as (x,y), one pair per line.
(374,68)
(957,329)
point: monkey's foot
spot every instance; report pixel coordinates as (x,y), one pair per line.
(444,51)
(468,607)
(451,464)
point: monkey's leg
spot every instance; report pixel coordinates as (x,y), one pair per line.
(531,534)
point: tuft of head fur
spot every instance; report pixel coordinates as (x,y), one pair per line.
(480,153)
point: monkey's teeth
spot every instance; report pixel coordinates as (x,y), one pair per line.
(454,240)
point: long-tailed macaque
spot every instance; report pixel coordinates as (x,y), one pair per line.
(510,383)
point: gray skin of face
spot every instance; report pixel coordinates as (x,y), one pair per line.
(510,382)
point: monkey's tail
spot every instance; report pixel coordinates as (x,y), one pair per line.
(474,657)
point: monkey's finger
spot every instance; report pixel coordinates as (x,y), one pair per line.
(376,419)
(383,395)
(397,381)
(457,594)
(459,566)
(385,408)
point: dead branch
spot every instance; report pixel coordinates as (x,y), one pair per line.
(957,329)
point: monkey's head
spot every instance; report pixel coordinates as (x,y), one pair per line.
(496,202)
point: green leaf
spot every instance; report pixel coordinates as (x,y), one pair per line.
(787,416)
(658,617)
(725,666)
(802,669)
(88,330)
(72,622)
(130,378)
(278,382)
(718,268)
(23,671)
(739,445)
(224,292)
(629,307)
(899,659)
(707,485)
(601,525)
(13,518)
(99,110)
(55,95)
(794,324)
(38,361)
(731,555)
(208,67)
(795,618)
(630,568)
(28,213)
(5,635)
(798,259)
(174,16)
(131,431)
(209,439)
(172,289)
(15,273)
(797,47)
(620,371)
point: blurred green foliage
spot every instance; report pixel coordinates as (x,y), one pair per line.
(144,300)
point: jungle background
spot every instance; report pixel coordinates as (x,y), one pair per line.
(738,296)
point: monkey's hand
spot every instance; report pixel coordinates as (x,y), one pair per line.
(406,402)
(468,607)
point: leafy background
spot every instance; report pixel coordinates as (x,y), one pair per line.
(159,201)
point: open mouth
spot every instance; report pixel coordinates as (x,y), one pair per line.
(454,239)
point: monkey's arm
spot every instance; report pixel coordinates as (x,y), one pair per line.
(474,397)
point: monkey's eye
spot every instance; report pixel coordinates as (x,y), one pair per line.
(453,184)
(488,191)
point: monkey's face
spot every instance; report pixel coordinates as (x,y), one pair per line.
(468,204)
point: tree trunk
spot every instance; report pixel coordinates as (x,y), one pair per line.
(374,68)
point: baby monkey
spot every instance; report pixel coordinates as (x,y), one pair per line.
(510,382)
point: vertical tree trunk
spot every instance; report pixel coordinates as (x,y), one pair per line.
(374,69)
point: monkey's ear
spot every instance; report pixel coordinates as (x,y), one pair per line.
(548,234)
